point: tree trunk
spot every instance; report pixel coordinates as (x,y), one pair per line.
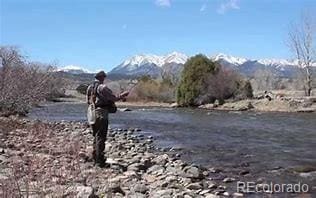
(308,82)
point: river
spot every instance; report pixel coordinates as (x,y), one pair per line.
(269,145)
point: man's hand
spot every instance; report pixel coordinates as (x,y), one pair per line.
(124,94)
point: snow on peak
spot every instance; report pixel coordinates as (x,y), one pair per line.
(228,58)
(174,57)
(277,62)
(73,69)
(143,59)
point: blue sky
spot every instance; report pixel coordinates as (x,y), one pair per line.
(100,34)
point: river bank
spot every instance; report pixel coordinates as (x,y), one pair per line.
(273,102)
(301,104)
(52,159)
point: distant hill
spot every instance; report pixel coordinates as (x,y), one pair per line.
(172,64)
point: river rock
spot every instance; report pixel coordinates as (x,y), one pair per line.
(211,196)
(228,180)
(194,186)
(84,191)
(236,195)
(141,188)
(193,172)
(212,185)
(174,105)
(161,159)
(124,109)
(167,193)
(135,195)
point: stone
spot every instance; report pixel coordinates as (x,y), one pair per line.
(84,191)
(149,178)
(174,170)
(141,188)
(135,195)
(174,105)
(244,172)
(211,196)
(212,186)
(136,167)
(203,192)
(167,193)
(194,186)
(226,194)
(156,169)
(193,172)
(171,178)
(124,109)
(236,194)
(214,170)
(228,180)
(116,188)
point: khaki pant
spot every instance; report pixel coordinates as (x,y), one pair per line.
(100,129)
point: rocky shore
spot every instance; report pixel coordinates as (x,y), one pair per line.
(51,159)
(284,104)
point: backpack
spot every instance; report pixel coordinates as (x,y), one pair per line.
(111,107)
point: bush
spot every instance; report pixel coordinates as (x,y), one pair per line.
(82,89)
(193,77)
(204,81)
(23,84)
(150,90)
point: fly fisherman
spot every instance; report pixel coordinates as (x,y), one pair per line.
(104,100)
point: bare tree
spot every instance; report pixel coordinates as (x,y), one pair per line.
(23,84)
(301,43)
(265,79)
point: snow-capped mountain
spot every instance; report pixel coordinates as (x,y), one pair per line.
(149,64)
(248,67)
(73,69)
(172,64)
(229,59)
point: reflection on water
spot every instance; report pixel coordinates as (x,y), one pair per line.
(224,139)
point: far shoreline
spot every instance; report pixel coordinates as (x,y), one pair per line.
(284,104)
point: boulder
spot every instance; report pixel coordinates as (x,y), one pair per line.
(194,186)
(193,172)
(84,192)
(141,188)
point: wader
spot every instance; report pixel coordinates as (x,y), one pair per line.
(100,129)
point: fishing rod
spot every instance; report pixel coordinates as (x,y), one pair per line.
(133,83)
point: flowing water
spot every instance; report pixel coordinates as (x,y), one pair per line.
(269,145)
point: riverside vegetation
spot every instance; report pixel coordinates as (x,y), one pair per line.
(24,84)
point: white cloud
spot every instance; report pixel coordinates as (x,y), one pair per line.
(163,3)
(228,5)
(203,7)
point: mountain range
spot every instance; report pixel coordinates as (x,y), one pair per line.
(172,64)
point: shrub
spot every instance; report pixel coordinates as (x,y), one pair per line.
(192,82)
(204,81)
(82,89)
(148,89)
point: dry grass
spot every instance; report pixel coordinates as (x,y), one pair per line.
(41,160)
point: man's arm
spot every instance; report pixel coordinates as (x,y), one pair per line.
(108,95)
(88,95)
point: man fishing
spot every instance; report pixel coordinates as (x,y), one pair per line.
(104,100)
